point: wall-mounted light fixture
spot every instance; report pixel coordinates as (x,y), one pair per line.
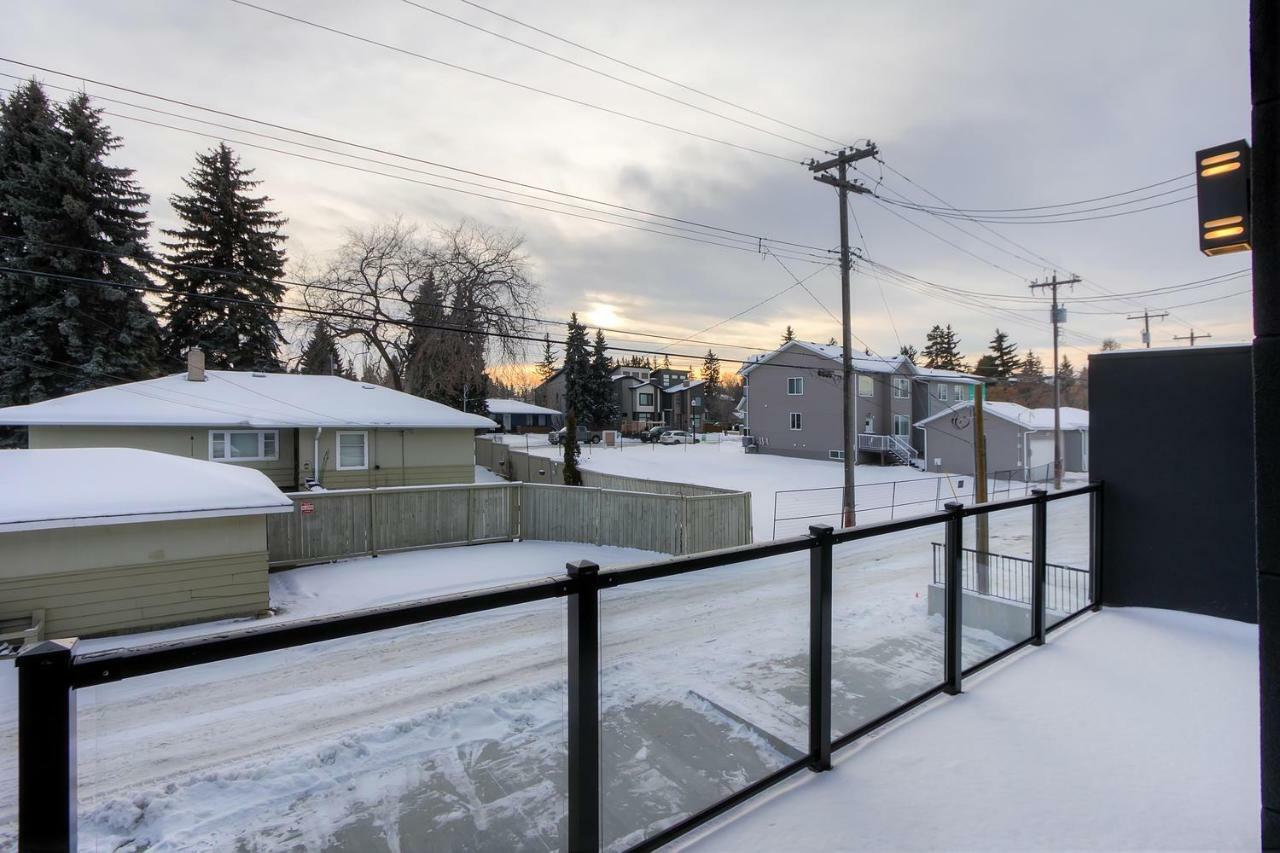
(1222,196)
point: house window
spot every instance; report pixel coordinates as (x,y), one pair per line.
(835,454)
(797,422)
(353,451)
(646,399)
(795,386)
(869,424)
(960,393)
(942,392)
(901,387)
(901,426)
(244,445)
(866,386)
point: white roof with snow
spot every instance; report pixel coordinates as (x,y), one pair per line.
(683,386)
(1028,419)
(85,487)
(517,407)
(862,363)
(230,398)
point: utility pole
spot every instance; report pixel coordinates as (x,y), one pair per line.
(1058,316)
(982,523)
(844,186)
(1146,317)
(1193,337)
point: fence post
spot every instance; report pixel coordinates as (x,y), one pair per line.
(373,523)
(954,638)
(820,648)
(584,707)
(46,748)
(471,515)
(1095,549)
(1039,529)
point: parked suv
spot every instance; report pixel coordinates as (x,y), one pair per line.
(585,436)
(655,433)
(677,436)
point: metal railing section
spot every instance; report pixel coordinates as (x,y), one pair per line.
(52,671)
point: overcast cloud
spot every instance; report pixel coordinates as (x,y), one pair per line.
(988,104)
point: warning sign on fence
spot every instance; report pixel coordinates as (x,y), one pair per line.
(306,508)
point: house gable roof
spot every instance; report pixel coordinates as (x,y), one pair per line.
(862,363)
(498,406)
(236,399)
(1032,420)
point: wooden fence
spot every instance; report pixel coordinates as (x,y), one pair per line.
(358,522)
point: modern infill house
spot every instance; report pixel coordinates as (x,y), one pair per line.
(792,403)
(300,430)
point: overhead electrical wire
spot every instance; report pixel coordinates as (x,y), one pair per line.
(986,210)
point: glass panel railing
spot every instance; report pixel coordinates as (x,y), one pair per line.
(887,624)
(703,690)
(996,579)
(444,736)
(1068,538)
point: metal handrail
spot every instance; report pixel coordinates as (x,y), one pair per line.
(50,672)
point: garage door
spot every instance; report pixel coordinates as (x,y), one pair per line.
(1040,454)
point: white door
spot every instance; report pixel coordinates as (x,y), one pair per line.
(1040,453)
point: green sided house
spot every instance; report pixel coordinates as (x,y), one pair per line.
(299,430)
(107,540)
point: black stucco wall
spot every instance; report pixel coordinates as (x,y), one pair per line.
(1171,436)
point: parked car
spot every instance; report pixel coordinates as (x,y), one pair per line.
(655,433)
(677,436)
(585,436)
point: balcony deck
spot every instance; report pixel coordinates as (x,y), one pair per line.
(1131,729)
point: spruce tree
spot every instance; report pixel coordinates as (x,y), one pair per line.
(942,349)
(577,370)
(789,335)
(1032,367)
(230,247)
(72,214)
(1066,373)
(1005,355)
(572,476)
(712,384)
(909,352)
(547,364)
(987,366)
(321,356)
(603,407)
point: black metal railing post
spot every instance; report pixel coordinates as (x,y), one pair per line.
(46,748)
(820,648)
(1039,546)
(584,707)
(1095,549)
(954,640)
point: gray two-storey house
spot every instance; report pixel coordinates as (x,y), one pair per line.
(792,403)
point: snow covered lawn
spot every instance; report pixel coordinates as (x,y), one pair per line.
(1134,729)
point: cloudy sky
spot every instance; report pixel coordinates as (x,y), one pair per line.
(988,105)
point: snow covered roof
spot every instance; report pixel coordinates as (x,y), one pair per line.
(1028,419)
(85,487)
(230,398)
(683,386)
(862,363)
(517,407)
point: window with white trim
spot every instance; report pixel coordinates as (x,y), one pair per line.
(942,392)
(901,426)
(244,445)
(797,422)
(353,451)
(795,386)
(960,393)
(866,386)
(835,454)
(901,387)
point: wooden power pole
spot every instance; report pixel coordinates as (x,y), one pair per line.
(844,186)
(1058,316)
(1193,337)
(1146,317)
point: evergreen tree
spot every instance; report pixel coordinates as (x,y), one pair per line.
(321,355)
(445,353)
(1066,373)
(909,352)
(1032,367)
(547,364)
(987,366)
(942,349)
(666,362)
(577,370)
(789,335)
(712,386)
(72,214)
(229,246)
(603,408)
(1004,355)
(572,476)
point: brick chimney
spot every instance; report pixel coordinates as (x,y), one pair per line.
(195,365)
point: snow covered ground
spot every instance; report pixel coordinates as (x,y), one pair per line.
(1134,729)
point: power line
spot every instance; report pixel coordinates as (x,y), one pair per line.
(981,210)
(526,87)
(605,74)
(652,74)
(1045,221)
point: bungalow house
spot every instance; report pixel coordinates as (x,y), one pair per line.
(517,416)
(300,430)
(1018,439)
(792,403)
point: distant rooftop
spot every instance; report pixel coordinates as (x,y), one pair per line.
(517,407)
